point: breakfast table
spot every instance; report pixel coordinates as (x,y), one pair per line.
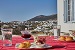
(56,44)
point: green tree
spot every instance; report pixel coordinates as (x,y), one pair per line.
(16,32)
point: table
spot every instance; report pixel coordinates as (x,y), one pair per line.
(56,45)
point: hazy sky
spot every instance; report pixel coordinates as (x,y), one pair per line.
(23,10)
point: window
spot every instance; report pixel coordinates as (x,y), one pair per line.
(69,11)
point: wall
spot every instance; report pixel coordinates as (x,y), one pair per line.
(65,27)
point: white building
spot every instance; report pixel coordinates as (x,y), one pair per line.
(66,14)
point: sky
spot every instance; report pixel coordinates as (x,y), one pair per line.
(22,10)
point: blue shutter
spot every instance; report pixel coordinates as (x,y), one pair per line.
(65,11)
(73,10)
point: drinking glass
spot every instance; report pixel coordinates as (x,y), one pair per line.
(56,29)
(72,33)
(7,37)
(35,36)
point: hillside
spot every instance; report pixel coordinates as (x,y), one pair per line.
(44,18)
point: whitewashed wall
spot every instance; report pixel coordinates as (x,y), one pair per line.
(0,37)
(65,27)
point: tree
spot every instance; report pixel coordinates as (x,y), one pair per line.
(16,32)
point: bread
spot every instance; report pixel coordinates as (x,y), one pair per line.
(62,38)
(28,44)
(25,44)
(69,38)
(22,45)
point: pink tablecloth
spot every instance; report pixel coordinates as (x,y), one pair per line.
(56,45)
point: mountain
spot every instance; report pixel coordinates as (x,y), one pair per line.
(44,18)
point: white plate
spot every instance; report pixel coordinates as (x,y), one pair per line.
(34,46)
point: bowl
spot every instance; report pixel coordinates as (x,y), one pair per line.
(25,35)
(40,45)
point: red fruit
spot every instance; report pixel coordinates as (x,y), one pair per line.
(41,40)
(26,36)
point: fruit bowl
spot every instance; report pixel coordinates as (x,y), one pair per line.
(40,45)
(26,36)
